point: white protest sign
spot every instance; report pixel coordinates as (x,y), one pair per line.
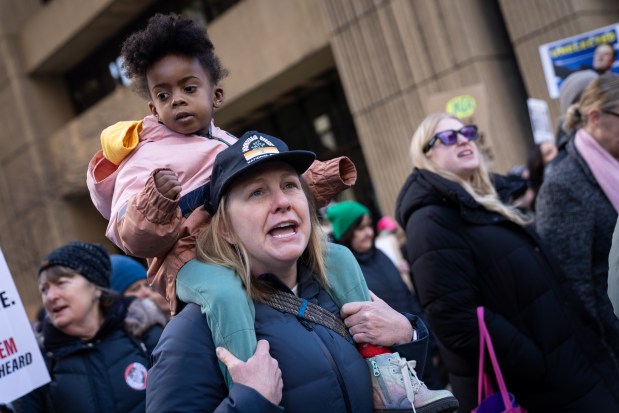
(22,368)
(540,120)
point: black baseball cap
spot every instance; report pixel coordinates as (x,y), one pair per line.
(252,149)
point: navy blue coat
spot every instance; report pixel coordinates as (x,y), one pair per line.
(384,280)
(463,256)
(105,374)
(321,371)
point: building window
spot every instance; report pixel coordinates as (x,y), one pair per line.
(96,76)
(314,116)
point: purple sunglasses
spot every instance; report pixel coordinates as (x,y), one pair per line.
(450,137)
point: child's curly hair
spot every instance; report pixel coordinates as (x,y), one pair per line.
(168,34)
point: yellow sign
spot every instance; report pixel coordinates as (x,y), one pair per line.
(461,106)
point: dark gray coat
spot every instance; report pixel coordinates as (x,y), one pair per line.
(576,220)
(613,271)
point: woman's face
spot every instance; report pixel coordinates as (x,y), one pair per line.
(605,130)
(269,214)
(71,303)
(363,236)
(461,159)
(139,289)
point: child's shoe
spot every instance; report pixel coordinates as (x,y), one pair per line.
(396,388)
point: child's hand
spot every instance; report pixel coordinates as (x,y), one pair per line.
(167,183)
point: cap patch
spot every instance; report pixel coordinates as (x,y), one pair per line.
(255,147)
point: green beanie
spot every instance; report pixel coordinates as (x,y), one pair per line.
(343,215)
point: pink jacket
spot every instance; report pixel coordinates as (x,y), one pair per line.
(191,157)
(144,223)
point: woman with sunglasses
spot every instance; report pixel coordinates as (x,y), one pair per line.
(578,202)
(467,248)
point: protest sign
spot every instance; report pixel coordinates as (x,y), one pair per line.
(22,368)
(540,120)
(566,56)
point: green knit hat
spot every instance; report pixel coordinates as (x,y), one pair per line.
(343,215)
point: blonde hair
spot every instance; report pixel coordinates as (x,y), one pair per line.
(213,248)
(480,186)
(602,93)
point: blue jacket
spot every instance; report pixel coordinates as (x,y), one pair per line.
(321,371)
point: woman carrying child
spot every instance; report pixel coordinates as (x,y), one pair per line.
(149,178)
(264,226)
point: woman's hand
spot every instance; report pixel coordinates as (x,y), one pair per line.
(261,372)
(374,322)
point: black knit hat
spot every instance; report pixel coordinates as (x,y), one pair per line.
(92,261)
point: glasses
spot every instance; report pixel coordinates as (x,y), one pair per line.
(610,112)
(450,137)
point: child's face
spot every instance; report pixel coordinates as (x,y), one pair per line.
(183,95)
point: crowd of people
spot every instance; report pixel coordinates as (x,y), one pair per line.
(265,312)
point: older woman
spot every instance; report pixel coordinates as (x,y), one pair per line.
(577,204)
(468,249)
(97,343)
(266,230)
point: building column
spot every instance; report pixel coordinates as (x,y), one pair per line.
(393,55)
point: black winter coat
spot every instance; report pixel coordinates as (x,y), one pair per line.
(105,374)
(321,371)
(463,256)
(384,280)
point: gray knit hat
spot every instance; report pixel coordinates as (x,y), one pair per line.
(92,261)
(572,87)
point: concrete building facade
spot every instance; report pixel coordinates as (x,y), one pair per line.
(347,77)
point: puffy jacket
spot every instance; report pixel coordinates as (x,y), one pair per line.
(321,371)
(463,256)
(105,374)
(384,280)
(143,222)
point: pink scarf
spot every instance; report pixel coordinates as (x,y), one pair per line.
(604,167)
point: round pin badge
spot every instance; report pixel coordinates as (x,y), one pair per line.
(135,376)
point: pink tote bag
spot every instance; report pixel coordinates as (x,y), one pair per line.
(489,401)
